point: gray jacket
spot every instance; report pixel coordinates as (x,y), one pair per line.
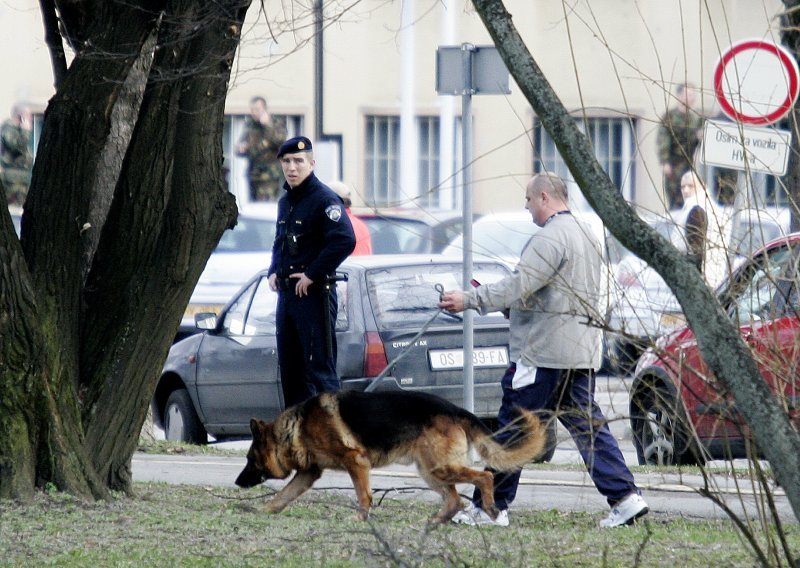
(554,298)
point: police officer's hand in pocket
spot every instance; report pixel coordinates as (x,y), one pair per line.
(303,282)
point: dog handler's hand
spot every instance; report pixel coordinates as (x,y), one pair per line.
(452,301)
(301,288)
(273,282)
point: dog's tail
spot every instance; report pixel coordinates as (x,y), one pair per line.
(526,444)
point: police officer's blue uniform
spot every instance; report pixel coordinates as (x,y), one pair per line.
(313,236)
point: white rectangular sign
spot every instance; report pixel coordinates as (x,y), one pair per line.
(481,357)
(730,145)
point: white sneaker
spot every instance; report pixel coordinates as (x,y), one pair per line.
(475,516)
(625,512)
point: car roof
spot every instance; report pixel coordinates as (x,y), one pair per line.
(384,260)
(424,215)
(265,210)
(373,261)
(791,239)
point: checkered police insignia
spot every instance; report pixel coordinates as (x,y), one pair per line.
(334,213)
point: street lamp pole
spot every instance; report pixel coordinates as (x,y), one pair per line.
(318,71)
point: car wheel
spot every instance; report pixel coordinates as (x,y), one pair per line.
(181,423)
(659,428)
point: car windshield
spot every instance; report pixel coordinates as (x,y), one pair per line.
(249,235)
(405,296)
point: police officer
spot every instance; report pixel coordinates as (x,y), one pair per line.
(313,237)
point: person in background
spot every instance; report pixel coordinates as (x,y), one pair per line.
(259,143)
(678,136)
(553,296)
(313,237)
(16,154)
(363,238)
(702,229)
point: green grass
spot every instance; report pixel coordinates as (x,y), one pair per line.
(166,525)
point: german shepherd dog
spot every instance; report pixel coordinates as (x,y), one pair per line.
(356,431)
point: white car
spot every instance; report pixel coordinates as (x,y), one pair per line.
(643,306)
(240,253)
(503,235)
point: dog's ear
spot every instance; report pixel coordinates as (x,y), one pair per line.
(257,426)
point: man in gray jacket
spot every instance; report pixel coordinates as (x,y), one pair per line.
(555,348)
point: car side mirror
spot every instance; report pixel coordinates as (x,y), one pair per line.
(205,320)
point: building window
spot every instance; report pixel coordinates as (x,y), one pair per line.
(236,166)
(382,159)
(614,148)
(428,170)
(381,155)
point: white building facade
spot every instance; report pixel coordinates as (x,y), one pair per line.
(613,63)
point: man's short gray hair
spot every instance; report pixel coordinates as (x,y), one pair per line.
(552,184)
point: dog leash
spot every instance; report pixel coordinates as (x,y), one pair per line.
(382,375)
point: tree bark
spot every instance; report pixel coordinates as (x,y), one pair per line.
(169,211)
(89,308)
(718,339)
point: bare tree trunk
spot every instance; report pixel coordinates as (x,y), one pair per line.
(719,341)
(86,319)
(172,198)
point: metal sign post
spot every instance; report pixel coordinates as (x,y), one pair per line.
(469,70)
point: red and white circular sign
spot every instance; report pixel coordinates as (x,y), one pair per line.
(756,82)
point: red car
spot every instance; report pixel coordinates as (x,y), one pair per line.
(680,413)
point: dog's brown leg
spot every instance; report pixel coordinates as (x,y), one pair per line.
(449,475)
(358,466)
(299,484)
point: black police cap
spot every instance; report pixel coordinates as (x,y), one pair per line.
(295,145)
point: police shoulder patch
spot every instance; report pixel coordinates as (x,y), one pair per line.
(334,212)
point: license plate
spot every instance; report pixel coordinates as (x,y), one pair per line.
(481,357)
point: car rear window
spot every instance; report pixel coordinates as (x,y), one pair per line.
(249,235)
(405,296)
(392,235)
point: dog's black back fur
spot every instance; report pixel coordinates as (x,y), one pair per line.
(384,420)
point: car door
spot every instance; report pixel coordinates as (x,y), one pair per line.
(774,332)
(759,299)
(237,367)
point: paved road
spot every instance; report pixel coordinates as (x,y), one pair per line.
(542,488)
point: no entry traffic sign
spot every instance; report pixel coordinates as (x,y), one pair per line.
(756,82)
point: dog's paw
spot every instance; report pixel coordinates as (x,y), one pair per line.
(273,507)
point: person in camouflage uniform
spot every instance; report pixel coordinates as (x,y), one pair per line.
(16,156)
(678,137)
(259,144)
